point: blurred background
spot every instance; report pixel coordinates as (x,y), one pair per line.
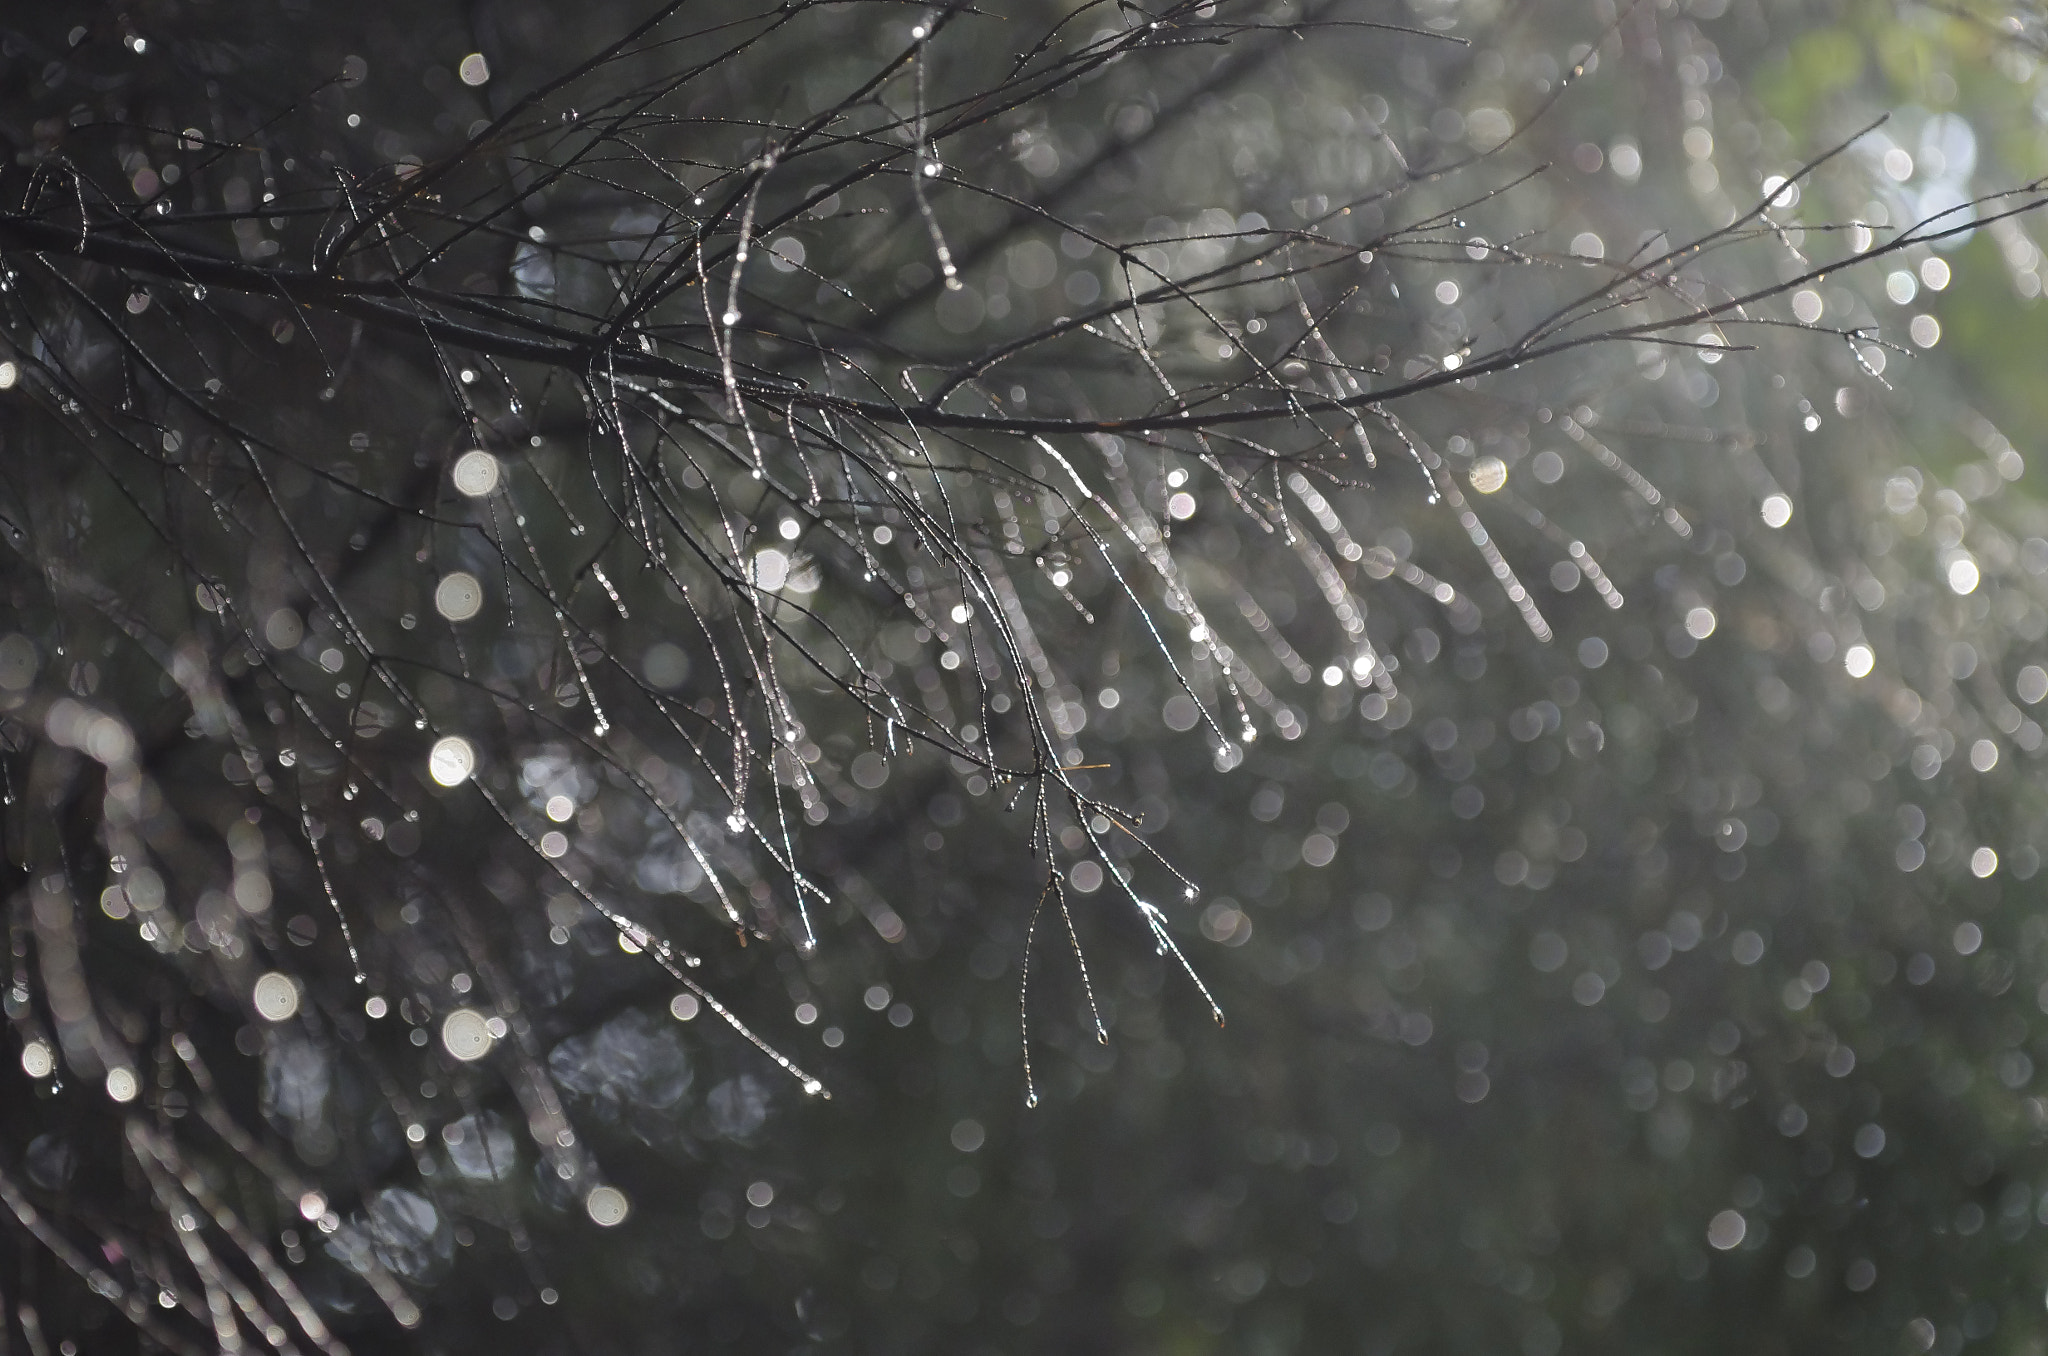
(1638,953)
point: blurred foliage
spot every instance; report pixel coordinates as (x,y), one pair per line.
(1669,985)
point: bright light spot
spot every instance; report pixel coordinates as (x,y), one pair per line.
(1983,755)
(474,70)
(1711,343)
(1983,862)
(1781,192)
(1806,304)
(1727,1230)
(466,1035)
(276,997)
(790,529)
(683,1007)
(37,1061)
(476,473)
(1181,506)
(560,808)
(451,761)
(1488,127)
(122,1085)
(459,596)
(606,1206)
(1901,286)
(1489,474)
(884,534)
(1625,160)
(771,569)
(1934,273)
(961,612)
(1926,331)
(761,1195)
(1777,510)
(2032,684)
(9,374)
(1226,923)
(1859,660)
(665,665)
(1447,292)
(1332,676)
(376,1007)
(1586,245)
(312,1205)
(284,630)
(1962,575)
(1547,466)
(1453,361)
(1898,163)
(553,845)
(869,770)
(1700,622)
